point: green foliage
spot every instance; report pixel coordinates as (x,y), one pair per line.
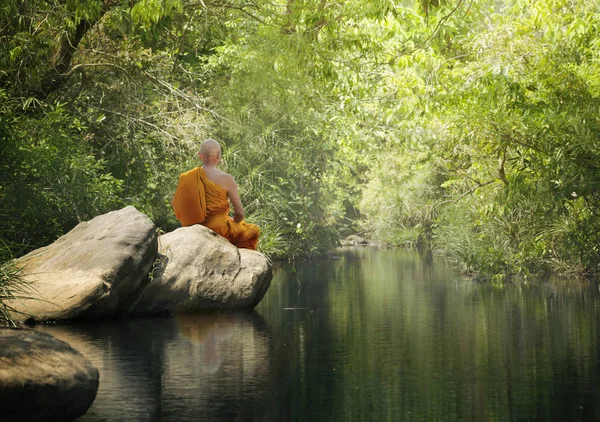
(468,127)
(403,189)
(510,129)
(50,181)
(533,109)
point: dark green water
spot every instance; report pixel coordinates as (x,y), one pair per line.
(375,335)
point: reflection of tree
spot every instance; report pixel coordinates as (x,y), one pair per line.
(388,335)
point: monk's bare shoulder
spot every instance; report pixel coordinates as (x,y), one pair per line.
(229,181)
(225,180)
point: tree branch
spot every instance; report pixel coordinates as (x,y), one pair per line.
(242,8)
(174,91)
(132,119)
(435,30)
(61,62)
(470,191)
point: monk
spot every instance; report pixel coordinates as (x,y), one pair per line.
(203,195)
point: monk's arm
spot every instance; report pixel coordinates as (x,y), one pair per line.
(234,197)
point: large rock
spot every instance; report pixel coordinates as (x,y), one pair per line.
(201,270)
(42,378)
(96,270)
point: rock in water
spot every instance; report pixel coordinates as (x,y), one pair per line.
(94,271)
(102,269)
(42,378)
(201,270)
(354,240)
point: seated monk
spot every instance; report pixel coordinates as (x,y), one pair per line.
(203,195)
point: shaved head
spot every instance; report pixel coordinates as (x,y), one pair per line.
(210,147)
(210,152)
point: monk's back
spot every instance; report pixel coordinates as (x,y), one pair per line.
(218,177)
(203,196)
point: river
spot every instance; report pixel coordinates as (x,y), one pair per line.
(369,335)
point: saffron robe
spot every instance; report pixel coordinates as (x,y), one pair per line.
(199,200)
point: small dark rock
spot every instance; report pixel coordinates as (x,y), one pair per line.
(43,378)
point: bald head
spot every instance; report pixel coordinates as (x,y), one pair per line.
(210,146)
(210,152)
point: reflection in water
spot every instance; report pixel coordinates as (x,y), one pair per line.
(207,332)
(389,335)
(218,370)
(190,367)
(375,335)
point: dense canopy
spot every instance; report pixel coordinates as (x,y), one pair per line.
(471,127)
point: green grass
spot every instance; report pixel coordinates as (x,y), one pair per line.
(12,286)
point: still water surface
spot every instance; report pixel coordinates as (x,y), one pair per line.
(374,335)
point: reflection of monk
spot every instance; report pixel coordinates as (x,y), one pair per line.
(208,332)
(203,195)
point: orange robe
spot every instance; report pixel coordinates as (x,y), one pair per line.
(199,200)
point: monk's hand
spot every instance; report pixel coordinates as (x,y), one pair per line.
(238,217)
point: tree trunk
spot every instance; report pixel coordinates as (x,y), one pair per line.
(61,61)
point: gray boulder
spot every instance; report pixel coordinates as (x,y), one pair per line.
(354,240)
(94,271)
(42,378)
(200,270)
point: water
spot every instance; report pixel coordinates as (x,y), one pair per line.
(370,336)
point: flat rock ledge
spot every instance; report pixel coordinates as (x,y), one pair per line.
(43,378)
(112,266)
